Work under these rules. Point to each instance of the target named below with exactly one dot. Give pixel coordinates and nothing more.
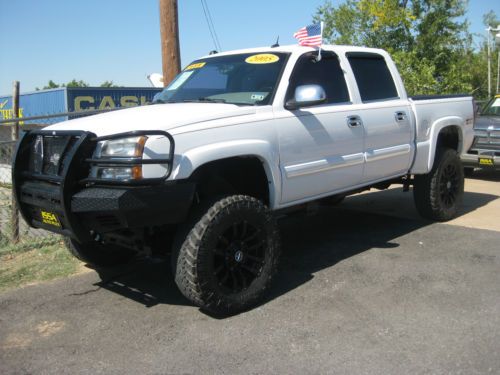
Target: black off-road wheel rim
(449, 185)
(239, 256)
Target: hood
(153, 117)
(485, 122)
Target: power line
(210, 24)
(213, 27)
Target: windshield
(245, 79)
(492, 108)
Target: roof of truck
(295, 48)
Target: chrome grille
(486, 140)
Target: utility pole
(169, 30)
(488, 30)
(497, 42)
(14, 218)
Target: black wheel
(468, 172)
(226, 262)
(98, 255)
(439, 193)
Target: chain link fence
(13, 229)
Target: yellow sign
(7, 114)
(50, 218)
(82, 103)
(196, 66)
(486, 161)
(262, 58)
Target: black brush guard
(61, 187)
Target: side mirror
(306, 96)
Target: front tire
(226, 262)
(97, 255)
(438, 194)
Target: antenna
(277, 44)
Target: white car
(234, 138)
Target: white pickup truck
(234, 138)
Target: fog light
(120, 173)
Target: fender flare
(194, 158)
(435, 130)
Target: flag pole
(319, 51)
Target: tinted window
(326, 73)
(373, 76)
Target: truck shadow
(310, 243)
(486, 175)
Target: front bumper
(100, 210)
(61, 199)
(484, 159)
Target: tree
(428, 39)
(491, 19)
(50, 85)
(376, 23)
(441, 35)
(108, 84)
(74, 83)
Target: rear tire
(97, 255)
(226, 262)
(439, 193)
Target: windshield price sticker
(262, 58)
(196, 66)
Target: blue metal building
(69, 99)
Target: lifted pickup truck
(485, 149)
(235, 137)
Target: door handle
(400, 116)
(354, 121)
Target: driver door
(321, 147)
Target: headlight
(138, 157)
(121, 148)
(116, 150)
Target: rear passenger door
(386, 117)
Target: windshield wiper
(205, 99)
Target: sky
(119, 40)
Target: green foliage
(491, 19)
(74, 83)
(428, 39)
(375, 23)
(108, 84)
(417, 74)
(51, 85)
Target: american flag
(309, 35)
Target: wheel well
(449, 137)
(237, 175)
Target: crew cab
(233, 139)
